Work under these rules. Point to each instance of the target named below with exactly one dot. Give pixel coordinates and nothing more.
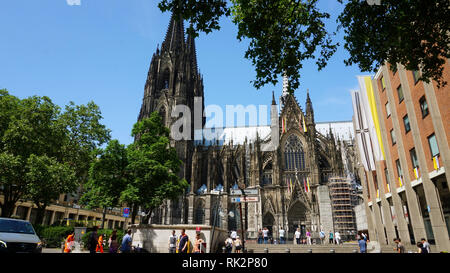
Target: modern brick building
(407, 192)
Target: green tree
(108, 177)
(285, 33)
(46, 179)
(153, 166)
(33, 133)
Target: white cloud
(73, 2)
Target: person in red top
(100, 244)
(68, 244)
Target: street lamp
(246, 218)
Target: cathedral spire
(174, 35)
(273, 98)
(309, 108)
(190, 45)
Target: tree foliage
(284, 34)
(415, 34)
(43, 151)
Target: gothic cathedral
(291, 181)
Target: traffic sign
(242, 199)
(246, 192)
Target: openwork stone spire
(174, 35)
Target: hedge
(52, 236)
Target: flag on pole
(290, 183)
(307, 181)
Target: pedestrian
(362, 245)
(126, 242)
(399, 246)
(266, 235)
(69, 242)
(337, 237)
(93, 241)
(173, 242)
(282, 238)
(330, 237)
(308, 237)
(229, 244)
(297, 236)
(426, 245)
(322, 237)
(112, 242)
(260, 236)
(237, 245)
(183, 244)
(421, 249)
(99, 247)
(198, 243)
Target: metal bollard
(287, 250)
(224, 250)
(310, 250)
(332, 251)
(266, 250)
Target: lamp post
(246, 218)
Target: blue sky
(100, 50)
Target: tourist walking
(69, 242)
(183, 244)
(173, 242)
(308, 237)
(260, 236)
(337, 237)
(228, 244)
(126, 242)
(112, 242)
(322, 237)
(266, 235)
(297, 236)
(282, 237)
(426, 245)
(237, 245)
(399, 246)
(100, 243)
(421, 249)
(198, 243)
(93, 241)
(362, 245)
(330, 237)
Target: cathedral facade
(290, 180)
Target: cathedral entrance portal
(297, 218)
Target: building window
(423, 106)
(294, 155)
(416, 76)
(383, 83)
(386, 174)
(414, 161)
(406, 123)
(399, 168)
(388, 110)
(434, 149)
(393, 138)
(400, 93)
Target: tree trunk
(103, 217)
(40, 214)
(134, 213)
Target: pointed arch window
(165, 79)
(294, 156)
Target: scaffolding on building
(342, 195)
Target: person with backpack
(228, 244)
